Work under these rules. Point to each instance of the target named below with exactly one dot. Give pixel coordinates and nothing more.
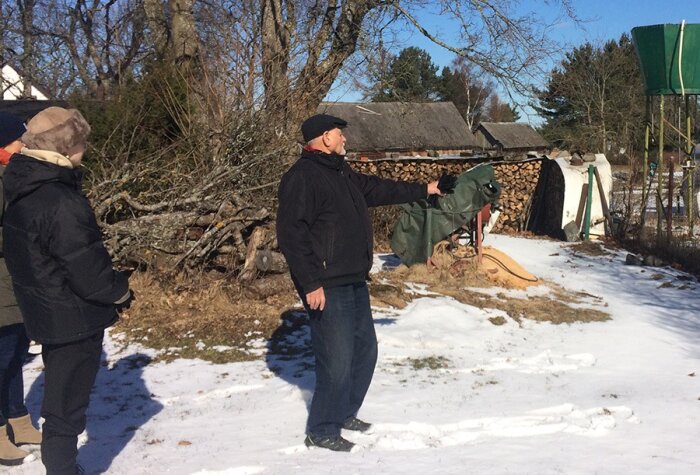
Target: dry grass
(184, 320)
(558, 306)
(174, 318)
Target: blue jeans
(345, 347)
(13, 349)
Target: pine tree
(594, 100)
(412, 77)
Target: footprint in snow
(226, 392)
(249, 470)
(566, 418)
(545, 362)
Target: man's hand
(316, 299)
(433, 188)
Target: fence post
(589, 202)
(659, 184)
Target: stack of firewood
(518, 180)
(422, 170)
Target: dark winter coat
(323, 224)
(62, 274)
(9, 311)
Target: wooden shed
(394, 129)
(510, 137)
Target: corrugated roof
(387, 126)
(512, 135)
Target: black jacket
(9, 311)
(62, 274)
(323, 224)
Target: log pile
(421, 170)
(225, 232)
(518, 180)
(172, 236)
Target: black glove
(126, 304)
(447, 183)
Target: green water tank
(660, 48)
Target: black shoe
(353, 423)
(335, 443)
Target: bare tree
(173, 29)
(188, 158)
(102, 39)
(28, 60)
(305, 44)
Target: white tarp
(574, 178)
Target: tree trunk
(275, 55)
(184, 41)
(333, 43)
(28, 61)
(157, 26)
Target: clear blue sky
(602, 20)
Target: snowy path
(452, 393)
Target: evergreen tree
(462, 86)
(594, 100)
(499, 111)
(412, 77)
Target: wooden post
(645, 163)
(589, 201)
(660, 167)
(603, 202)
(689, 201)
(479, 237)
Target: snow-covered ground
(621, 396)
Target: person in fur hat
(63, 278)
(16, 427)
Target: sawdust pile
(502, 269)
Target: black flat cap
(318, 124)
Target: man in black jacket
(63, 278)
(325, 233)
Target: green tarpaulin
(421, 225)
